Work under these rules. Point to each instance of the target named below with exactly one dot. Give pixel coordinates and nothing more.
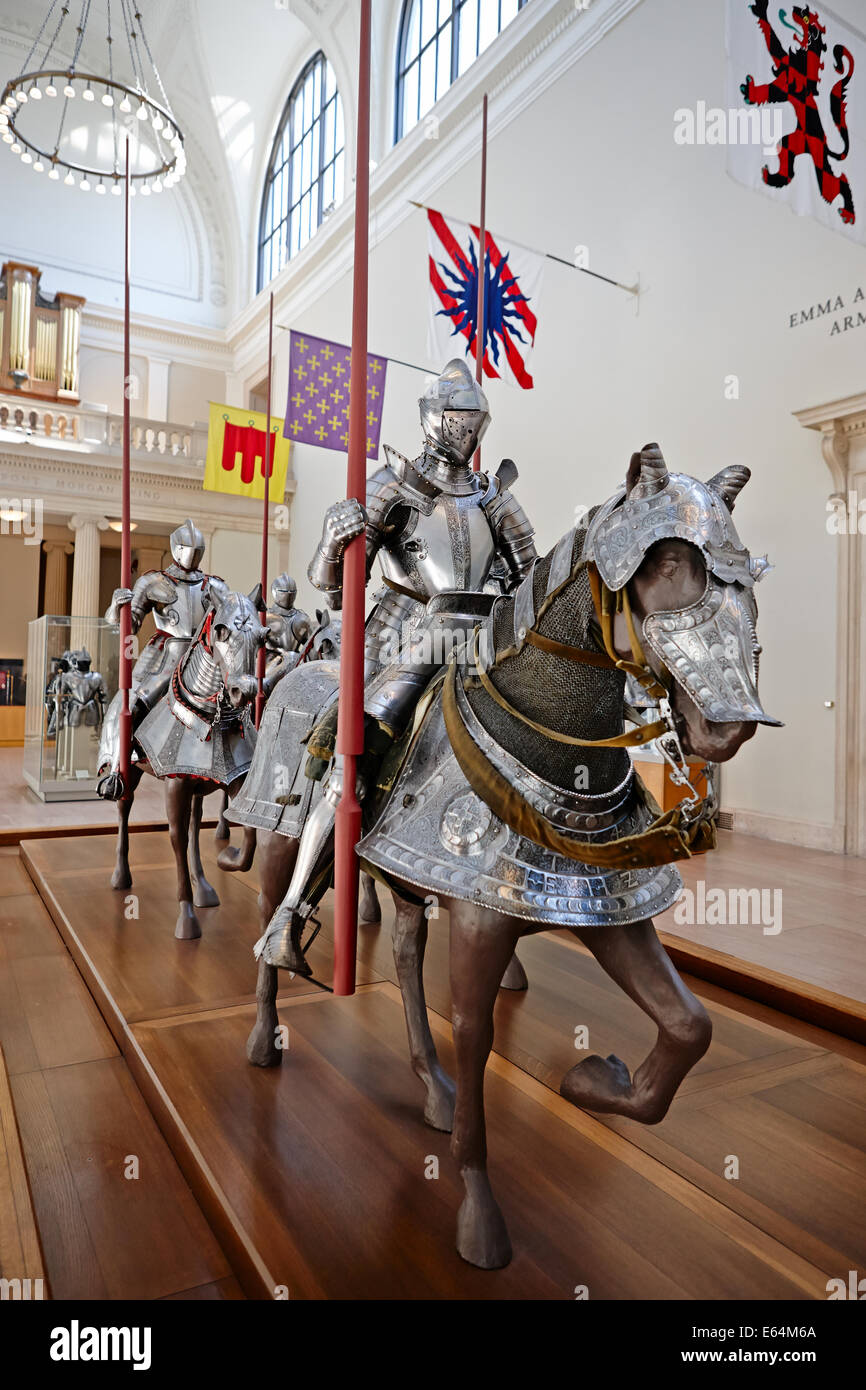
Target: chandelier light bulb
(70, 179)
(107, 98)
(26, 157)
(145, 190)
(21, 96)
(85, 184)
(158, 122)
(88, 93)
(115, 188)
(157, 185)
(54, 173)
(69, 90)
(100, 187)
(125, 105)
(16, 148)
(38, 166)
(50, 89)
(7, 138)
(132, 190)
(11, 101)
(141, 113)
(34, 93)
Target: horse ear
(650, 474)
(256, 599)
(729, 482)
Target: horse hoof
(203, 895)
(482, 1236)
(187, 928)
(121, 878)
(229, 859)
(439, 1110)
(597, 1083)
(262, 1050)
(515, 976)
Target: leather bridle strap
(667, 838)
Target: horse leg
(178, 809)
(203, 894)
(121, 877)
(515, 975)
(277, 859)
(410, 940)
(482, 943)
(634, 957)
(222, 831)
(239, 858)
(369, 910)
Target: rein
(685, 830)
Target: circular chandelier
(73, 121)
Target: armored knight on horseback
(177, 596)
(437, 529)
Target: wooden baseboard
(21, 1261)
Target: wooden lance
(261, 654)
(480, 333)
(125, 671)
(350, 723)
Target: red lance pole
(261, 653)
(125, 671)
(350, 725)
(480, 334)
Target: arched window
(440, 39)
(305, 174)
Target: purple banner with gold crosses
(318, 405)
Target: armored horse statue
(657, 589)
(198, 739)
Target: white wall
(593, 161)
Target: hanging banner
(235, 461)
(511, 299)
(317, 411)
(807, 70)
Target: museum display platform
(317, 1177)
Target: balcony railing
(99, 430)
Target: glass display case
(72, 673)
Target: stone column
(55, 576)
(85, 574)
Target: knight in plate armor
(437, 529)
(177, 596)
(289, 630)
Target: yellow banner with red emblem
(235, 461)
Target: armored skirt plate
(277, 795)
(173, 748)
(437, 835)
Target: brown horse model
(484, 813)
(198, 740)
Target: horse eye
(221, 632)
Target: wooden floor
(313, 1175)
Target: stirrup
(111, 787)
(285, 947)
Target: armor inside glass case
(72, 674)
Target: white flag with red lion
(808, 68)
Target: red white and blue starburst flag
(317, 411)
(512, 290)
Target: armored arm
(512, 530)
(142, 598)
(344, 521)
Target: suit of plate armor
(437, 528)
(85, 692)
(177, 597)
(289, 630)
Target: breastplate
(451, 547)
(182, 616)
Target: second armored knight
(437, 528)
(177, 597)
